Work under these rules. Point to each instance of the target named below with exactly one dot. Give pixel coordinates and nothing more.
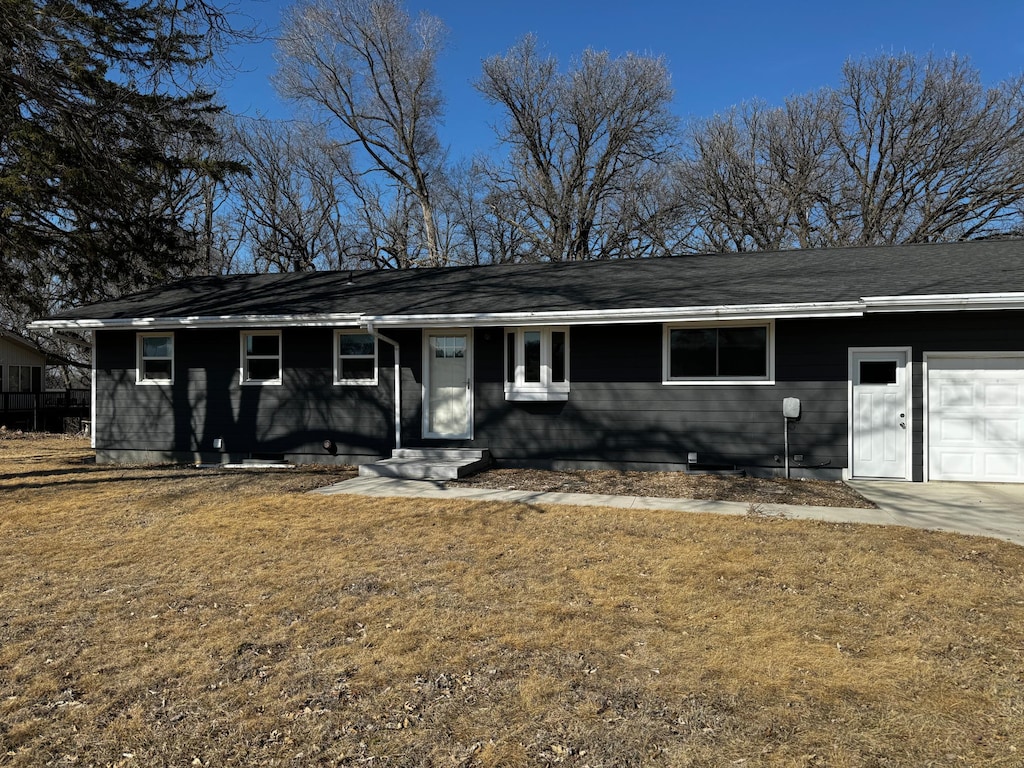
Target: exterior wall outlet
(691, 457)
(218, 442)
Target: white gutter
(330, 319)
(854, 308)
(641, 315)
(398, 383)
(92, 394)
(944, 302)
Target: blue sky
(720, 52)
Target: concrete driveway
(982, 509)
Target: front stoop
(428, 464)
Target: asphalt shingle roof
(788, 277)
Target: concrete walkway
(971, 508)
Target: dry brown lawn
(159, 617)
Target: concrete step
(428, 464)
(446, 454)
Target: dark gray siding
(618, 411)
(206, 401)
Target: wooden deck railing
(43, 410)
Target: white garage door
(976, 418)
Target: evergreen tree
(100, 119)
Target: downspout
(398, 382)
(93, 413)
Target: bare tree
(928, 152)
(372, 69)
(760, 178)
(581, 144)
(287, 210)
(904, 150)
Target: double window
(537, 364)
(720, 353)
(355, 357)
(155, 364)
(24, 378)
(261, 357)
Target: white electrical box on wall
(791, 407)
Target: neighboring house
(908, 363)
(21, 364)
(23, 402)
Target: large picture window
(719, 353)
(155, 358)
(537, 364)
(355, 359)
(261, 357)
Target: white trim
(943, 302)
(908, 405)
(338, 380)
(545, 390)
(425, 388)
(554, 317)
(852, 308)
(666, 354)
(627, 315)
(139, 341)
(243, 367)
(926, 357)
(212, 321)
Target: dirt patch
(754, 490)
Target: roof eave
(200, 321)
(629, 315)
(944, 302)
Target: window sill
(356, 383)
(718, 382)
(539, 395)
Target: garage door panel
(1002, 431)
(1002, 467)
(954, 430)
(976, 418)
(1002, 395)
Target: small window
(355, 360)
(156, 358)
(715, 354)
(877, 371)
(261, 357)
(536, 364)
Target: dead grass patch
(142, 624)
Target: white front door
(976, 417)
(447, 385)
(880, 414)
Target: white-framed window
(261, 357)
(24, 378)
(155, 358)
(537, 364)
(355, 357)
(719, 353)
